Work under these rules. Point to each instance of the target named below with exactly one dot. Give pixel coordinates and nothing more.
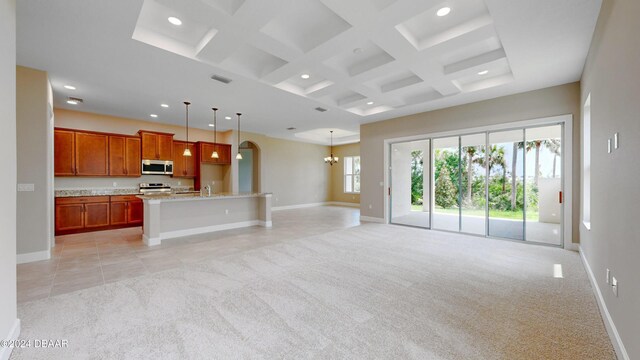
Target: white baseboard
(14, 333)
(150, 241)
(299, 206)
(572, 246)
(608, 321)
(266, 224)
(372, 219)
(33, 256)
(342, 203)
(212, 228)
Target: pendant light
(214, 154)
(187, 152)
(239, 156)
(331, 159)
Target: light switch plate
(608, 276)
(26, 187)
(609, 146)
(614, 285)
(615, 140)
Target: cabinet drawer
(124, 198)
(82, 200)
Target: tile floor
(86, 260)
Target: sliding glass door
(504, 184)
(410, 185)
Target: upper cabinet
(156, 145)
(92, 152)
(64, 161)
(184, 166)
(124, 156)
(206, 149)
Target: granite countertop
(196, 196)
(109, 191)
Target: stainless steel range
(154, 188)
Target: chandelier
(331, 159)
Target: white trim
(150, 241)
(608, 321)
(14, 334)
(33, 256)
(343, 203)
(299, 206)
(372, 219)
(266, 224)
(211, 228)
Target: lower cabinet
(91, 213)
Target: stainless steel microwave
(157, 167)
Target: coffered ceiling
(362, 60)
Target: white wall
(612, 77)
(8, 314)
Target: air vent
(222, 79)
(291, 128)
(321, 109)
(75, 99)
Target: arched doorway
(249, 168)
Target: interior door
(410, 183)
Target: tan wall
(558, 100)
(337, 173)
(8, 314)
(293, 171)
(612, 77)
(34, 136)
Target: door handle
(560, 197)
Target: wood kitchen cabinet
(91, 154)
(156, 145)
(80, 213)
(126, 210)
(224, 153)
(124, 156)
(184, 166)
(64, 161)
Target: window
(586, 164)
(352, 174)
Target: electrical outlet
(614, 285)
(115, 184)
(26, 187)
(226, 211)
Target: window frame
(352, 174)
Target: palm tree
(514, 159)
(471, 151)
(496, 158)
(555, 146)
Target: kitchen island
(177, 215)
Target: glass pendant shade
(214, 155)
(239, 156)
(186, 152)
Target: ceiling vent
(291, 128)
(74, 100)
(321, 109)
(222, 79)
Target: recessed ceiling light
(444, 11)
(174, 20)
(211, 125)
(69, 87)
(228, 117)
(483, 72)
(72, 102)
(305, 76)
(370, 103)
(164, 105)
(153, 115)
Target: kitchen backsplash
(75, 182)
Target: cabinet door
(133, 160)
(64, 156)
(224, 153)
(149, 146)
(179, 165)
(96, 215)
(92, 152)
(206, 149)
(69, 217)
(117, 153)
(165, 147)
(190, 162)
(135, 212)
(118, 213)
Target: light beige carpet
(373, 291)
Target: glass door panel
(506, 191)
(446, 184)
(473, 189)
(544, 184)
(410, 185)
